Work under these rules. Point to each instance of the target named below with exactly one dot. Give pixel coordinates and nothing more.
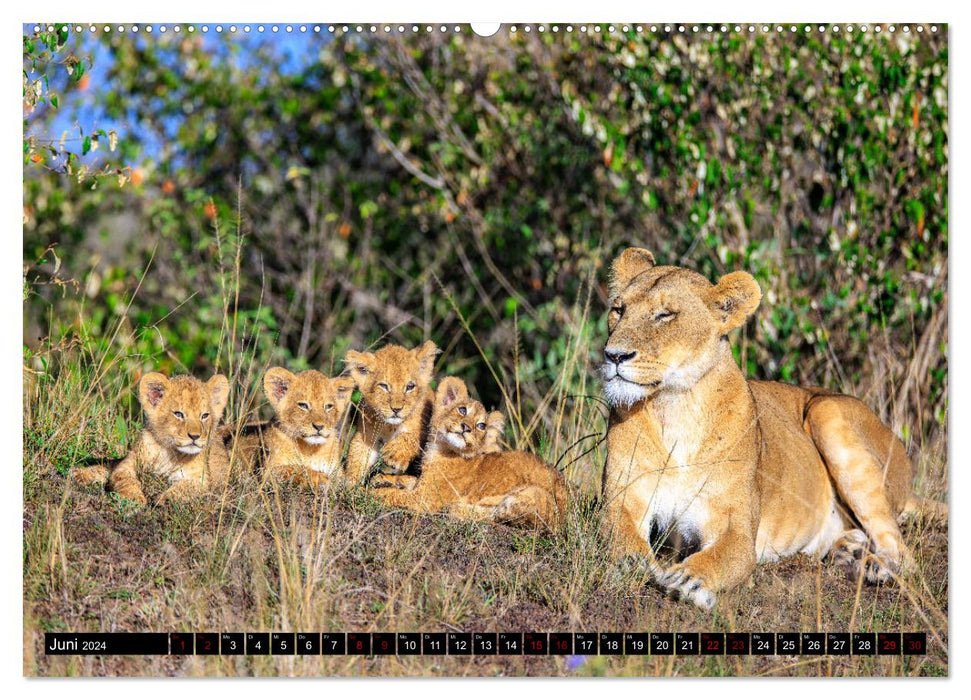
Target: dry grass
(264, 560)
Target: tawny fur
(464, 473)
(748, 470)
(394, 408)
(303, 443)
(181, 419)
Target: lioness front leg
(724, 564)
(625, 539)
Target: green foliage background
(474, 191)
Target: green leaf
(85, 145)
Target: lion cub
(394, 409)
(181, 416)
(303, 443)
(464, 474)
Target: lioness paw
(687, 585)
(854, 555)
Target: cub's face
(394, 380)
(461, 424)
(666, 325)
(182, 411)
(308, 406)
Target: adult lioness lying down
(733, 471)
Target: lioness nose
(618, 356)
(318, 428)
(396, 410)
(194, 436)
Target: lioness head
(181, 412)
(461, 424)
(394, 380)
(308, 405)
(666, 325)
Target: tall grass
(265, 559)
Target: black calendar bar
(487, 643)
(107, 643)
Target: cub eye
(410, 387)
(384, 387)
(179, 414)
(480, 426)
(664, 315)
(618, 309)
(304, 405)
(204, 416)
(463, 410)
(329, 407)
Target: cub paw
(396, 458)
(687, 585)
(87, 476)
(394, 481)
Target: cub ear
(343, 387)
(734, 298)
(425, 354)
(359, 364)
(218, 393)
(450, 390)
(276, 384)
(151, 390)
(627, 266)
(496, 422)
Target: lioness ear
(359, 364)
(276, 384)
(627, 266)
(426, 358)
(734, 298)
(218, 393)
(151, 390)
(496, 422)
(450, 390)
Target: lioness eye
(480, 426)
(179, 414)
(619, 309)
(463, 410)
(384, 387)
(204, 416)
(329, 407)
(410, 387)
(304, 405)
(664, 315)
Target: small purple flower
(575, 662)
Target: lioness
(181, 414)
(464, 474)
(733, 471)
